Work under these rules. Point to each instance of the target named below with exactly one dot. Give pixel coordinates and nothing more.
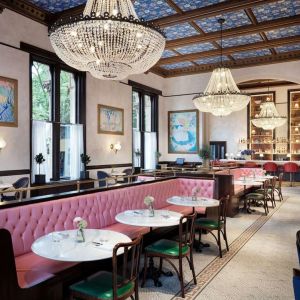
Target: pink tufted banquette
(29, 222)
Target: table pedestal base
(154, 273)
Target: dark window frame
(56, 66)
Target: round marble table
(62, 245)
(188, 201)
(247, 182)
(140, 217)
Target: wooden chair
(218, 225)
(113, 285)
(278, 187)
(260, 195)
(169, 249)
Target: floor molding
(212, 269)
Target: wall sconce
(116, 147)
(2, 143)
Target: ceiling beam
(27, 9)
(241, 63)
(230, 50)
(243, 30)
(209, 11)
(257, 84)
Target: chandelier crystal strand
(221, 96)
(268, 118)
(108, 40)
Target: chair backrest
(266, 186)
(128, 172)
(273, 183)
(298, 244)
(186, 231)
(222, 210)
(102, 175)
(280, 177)
(21, 183)
(290, 167)
(126, 270)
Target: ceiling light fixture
(108, 40)
(221, 96)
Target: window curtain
(42, 143)
(150, 150)
(136, 148)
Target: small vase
(80, 236)
(151, 211)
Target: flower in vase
(149, 200)
(80, 223)
(195, 191)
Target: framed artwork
(183, 131)
(110, 120)
(8, 102)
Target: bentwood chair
(260, 196)
(20, 183)
(278, 187)
(168, 249)
(296, 283)
(103, 175)
(119, 284)
(128, 172)
(270, 191)
(218, 225)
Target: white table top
(62, 245)
(247, 182)
(140, 217)
(199, 202)
(5, 186)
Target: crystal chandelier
(268, 118)
(221, 96)
(108, 40)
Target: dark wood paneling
(95, 167)
(14, 172)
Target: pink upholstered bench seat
(27, 279)
(29, 222)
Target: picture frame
(8, 102)
(183, 131)
(110, 120)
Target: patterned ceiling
(188, 55)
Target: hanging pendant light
(108, 40)
(268, 118)
(221, 96)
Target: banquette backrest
(29, 222)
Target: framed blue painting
(110, 120)
(8, 102)
(183, 132)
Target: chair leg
(136, 289)
(145, 269)
(160, 264)
(219, 242)
(266, 207)
(181, 277)
(199, 240)
(280, 195)
(191, 262)
(225, 238)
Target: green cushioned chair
(168, 250)
(110, 285)
(218, 225)
(260, 195)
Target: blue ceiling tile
(153, 9)
(54, 6)
(180, 31)
(276, 10)
(232, 20)
(241, 40)
(189, 5)
(168, 53)
(288, 48)
(210, 60)
(283, 32)
(178, 65)
(252, 53)
(194, 48)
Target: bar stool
(270, 167)
(291, 168)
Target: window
(57, 129)
(145, 120)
